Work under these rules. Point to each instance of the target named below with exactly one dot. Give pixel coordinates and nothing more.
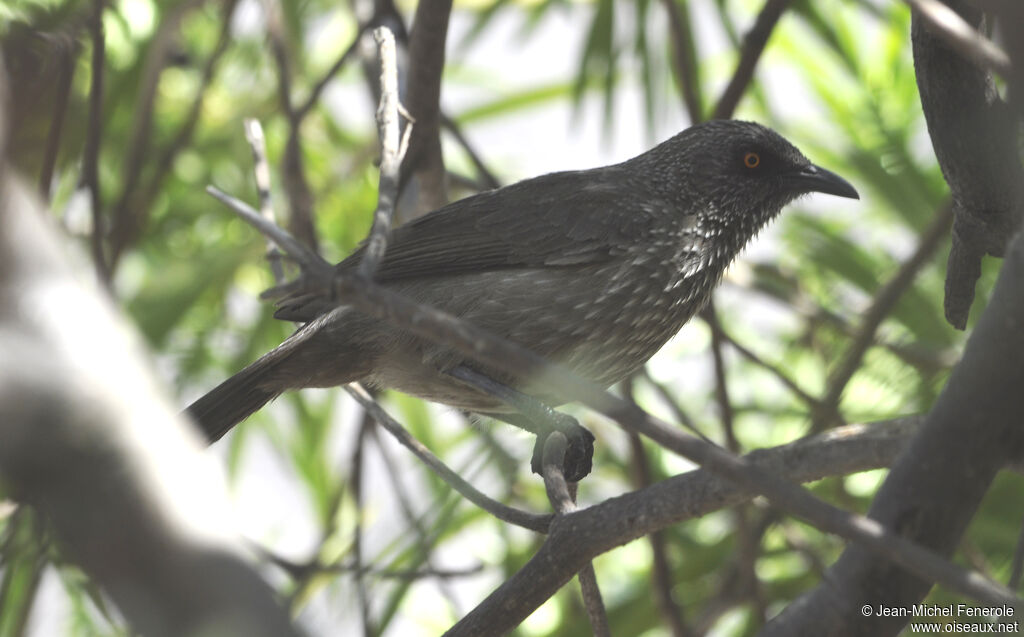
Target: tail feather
(232, 401)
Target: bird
(593, 269)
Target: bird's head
(738, 175)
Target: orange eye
(751, 160)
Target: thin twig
(303, 570)
(753, 45)
(532, 521)
(816, 314)
(423, 543)
(775, 370)
(130, 210)
(356, 484)
(391, 154)
(293, 171)
(306, 258)
(661, 571)
(678, 413)
(721, 382)
(964, 39)
(485, 174)
(748, 545)
(261, 173)
(564, 502)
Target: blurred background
(357, 535)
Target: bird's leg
(537, 418)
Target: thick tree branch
(88, 439)
(974, 135)
(946, 24)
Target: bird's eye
(751, 160)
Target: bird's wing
(562, 219)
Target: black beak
(815, 179)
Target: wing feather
(561, 219)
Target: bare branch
(974, 134)
(293, 171)
(306, 258)
(91, 441)
(131, 208)
(424, 541)
(678, 413)
(391, 158)
(564, 502)
(661, 575)
(261, 173)
(775, 370)
(721, 383)
(486, 175)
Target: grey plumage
(594, 269)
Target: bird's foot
(579, 454)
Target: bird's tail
(234, 400)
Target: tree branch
(424, 161)
(945, 23)
(91, 442)
(753, 45)
(391, 154)
(974, 135)
(532, 521)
